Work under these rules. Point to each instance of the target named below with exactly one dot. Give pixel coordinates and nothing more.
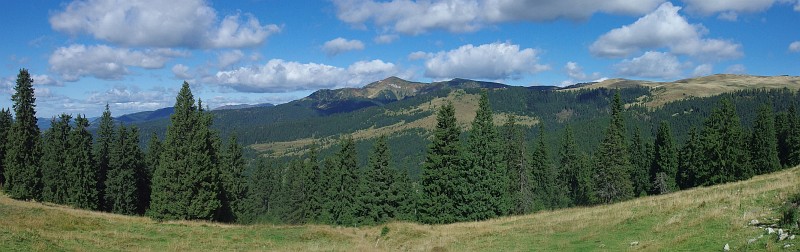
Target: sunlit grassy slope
(702, 219)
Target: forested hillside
(435, 153)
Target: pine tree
(570, 165)
(519, 173)
(793, 137)
(124, 160)
(54, 167)
(297, 190)
(782, 130)
(664, 169)
(144, 176)
(401, 197)
(764, 143)
(102, 150)
(640, 164)
(724, 152)
(439, 179)
(346, 185)
(82, 169)
(260, 188)
(330, 180)
(378, 180)
(486, 188)
(316, 199)
(5, 126)
(233, 181)
(549, 190)
(22, 171)
(611, 175)
(691, 167)
(186, 182)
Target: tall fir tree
(571, 166)
(782, 130)
(519, 173)
(5, 126)
(54, 166)
(793, 137)
(22, 171)
(82, 169)
(640, 164)
(297, 190)
(376, 185)
(234, 183)
(329, 180)
(316, 199)
(764, 143)
(612, 165)
(664, 169)
(439, 179)
(344, 185)
(549, 190)
(186, 182)
(486, 187)
(102, 150)
(401, 197)
(125, 159)
(144, 176)
(724, 152)
(260, 190)
(691, 167)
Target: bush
(790, 212)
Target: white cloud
(794, 46)
(181, 72)
(703, 70)
(415, 17)
(229, 58)
(386, 38)
(575, 72)
(664, 28)
(45, 80)
(707, 7)
(494, 61)
(178, 23)
(651, 65)
(728, 16)
(736, 69)
(340, 45)
(285, 76)
(418, 55)
(104, 62)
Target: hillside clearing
(701, 219)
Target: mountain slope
(701, 219)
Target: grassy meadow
(702, 219)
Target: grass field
(702, 219)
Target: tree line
(486, 172)
(191, 175)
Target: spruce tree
(260, 188)
(297, 190)
(102, 150)
(82, 169)
(691, 167)
(233, 181)
(570, 165)
(124, 160)
(782, 130)
(664, 169)
(519, 173)
(22, 171)
(5, 126)
(346, 185)
(549, 190)
(439, 179)
(375, 191)
(54, 166)
(764, 143)
(793, 137)
(401, 197)
(316, 200)
(186, 182)
(724, 152)
(486, 187)
(330, 180)
(612, 165)
(640, 164)
(144, 176)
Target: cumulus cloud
(153, 23)
(415, 17)
(181, 72)
(708, 7)
(418, 55)
(386, 38)
(494, 61)
(794, 46)
(664, 28)
(45, 80)
(575, 72)
(736, 69)
(226, 59)
(285, 76)
(703, 70)
(340, 45)
(104, 62)
(651, 65)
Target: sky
(135, 54)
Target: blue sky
(134, 54)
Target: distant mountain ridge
(243, 106)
